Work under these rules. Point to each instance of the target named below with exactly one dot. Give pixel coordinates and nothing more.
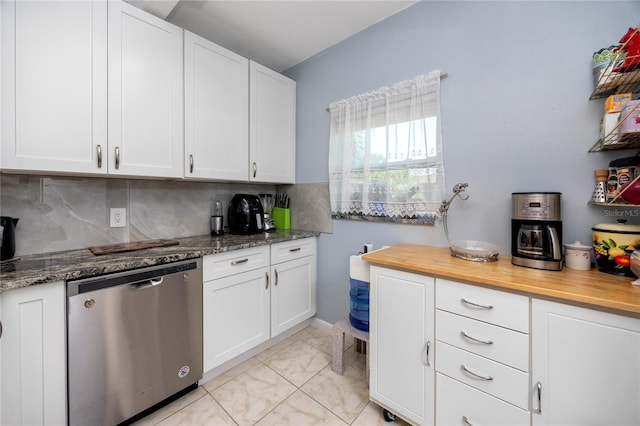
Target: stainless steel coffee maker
(536, 230)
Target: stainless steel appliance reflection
(134, 341)
(536, 230)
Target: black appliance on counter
(536, 230)
(7, 237)
(245, 215)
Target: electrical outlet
(118, 218)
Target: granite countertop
(590, 288)
(44, 268)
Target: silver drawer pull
(476, 375)
(99, 156)
(266, 276)
(466, 421)
(476, 305)
(538, 409)
(294, 250)
(425, 354)
(485, 342)
(238, 262)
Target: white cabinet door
(216, 84)
(54, 86)
(145, 94)
(588, 366)
(272, 128)
(293, 294)
(34, 355)
(236, 315)
(401, 333)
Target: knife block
(281, 217)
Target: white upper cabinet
(216, 93)
(102, 87)
(272, 126)
(54, 86)
(145, 94)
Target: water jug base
(360, 325)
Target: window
(385, 153)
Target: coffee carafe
(7, 237)
(536, 230)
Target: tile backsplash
(64, 213)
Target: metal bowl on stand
(477, 251)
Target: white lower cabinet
(293, 293)
(586, 366)
(236, 303)
(33, 356)
(236, 315)
(248, 298)
(500, 358)
(401, 333)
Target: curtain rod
(442, 75)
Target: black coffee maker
(7, 237)
(536, 230)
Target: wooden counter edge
(615, 294)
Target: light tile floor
(289, 384)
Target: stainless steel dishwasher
(134, 341)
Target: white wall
(516, 115)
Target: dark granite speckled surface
(24, 271)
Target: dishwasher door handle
(146, 283)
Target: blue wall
(516, 115)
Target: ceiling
(277, 34)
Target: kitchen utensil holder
(281, 217)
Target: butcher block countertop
(590, 288)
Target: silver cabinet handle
(238, 262)
(539, 396)
(117, 157)
(476, 375)
(266, 276)
(485, 342)
(476, 305)
(425, 354)
(255, 169)
(0, 329)
(190, 163)
(466, 421)
(276, 272)
(99, 147)
(294, 249)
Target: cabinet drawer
(492, 306)
(289, 250)
(490, 341)
(456, 402)
(234, 262)
(496, 379)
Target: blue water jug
(359, 304)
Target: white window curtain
(385, 153)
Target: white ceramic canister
(577, 256)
